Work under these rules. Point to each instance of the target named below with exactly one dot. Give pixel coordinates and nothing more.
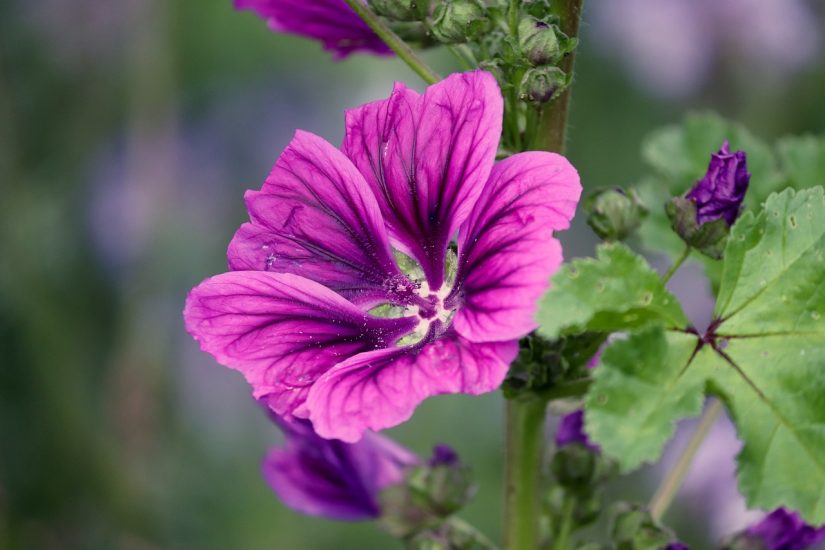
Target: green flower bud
(538, 42)
(708, 238)
(445, 483)
(613, 214)
(456, 21)
(634, 529)
(400, 10)
(575, 466)
(541, 84)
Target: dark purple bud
(779, 530)
(541, 84)
(443, 455)
(571, 430)
(721, 192)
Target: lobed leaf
(618, 290)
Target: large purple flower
(785, 530)
(327, 322)
(721, 192)
(332, 22)
(329, 478)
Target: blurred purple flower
(785, 530)
(316, 258)
(329, 478)
(571, 430)
(721, 192)
(672, 46)
(332, 22)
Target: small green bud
(634, 529)
(414, 32)
(575, 466)
(445, 483)
(541, 84)
(456, 21)
(400, 10)
(708, 238)
(613, 214)
(538, 42)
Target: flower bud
(720, 193)
(634, 529)
(613, 214)
(400, 10)
(541, 84)
(779, 529)
(575, 466)
(538, 42)
(455, 21)
(445, 482)
(708, 238)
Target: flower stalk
(673, 481)
(523, 469)
(401, 48)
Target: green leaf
(764, 356)
(642, 386)
(802, 159)
(617, 290)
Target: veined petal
(315, 216)
(282, 331)
(507, 253)
(332, 22)
(427, 158)
(330, 478)
(381, 389)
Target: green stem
(523, 469)
(562, 539)
(575, 388)
(512, 18)
(677, 264)
(479, 538)
(553, 126)
(673, 481)
(401, 48)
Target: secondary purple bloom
(571, 430)
(330, 478)
(784, 530)
(332, 22)
(296, 315)
(721, 192)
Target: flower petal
(332, 22)
(330, 478)
(507, 253)
(282, 331)
(380, 389)
(427, 158)
(316, 217)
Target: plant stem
(553, 127)
(673, 481)
(401, 48)
(575, 388)
(512, 18)
(677, 264)
(525, 453)
(562, 539)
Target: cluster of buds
(542, 45)
(442, 21)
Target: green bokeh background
(126, 142)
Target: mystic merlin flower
(349, 302)
(329, 478)
(721, 192)
(332, 22)
(780, 530)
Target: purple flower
(785, 530)
(571, 430)
(329, 478)
(720, 193)
(314, 268)
(332, 22)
